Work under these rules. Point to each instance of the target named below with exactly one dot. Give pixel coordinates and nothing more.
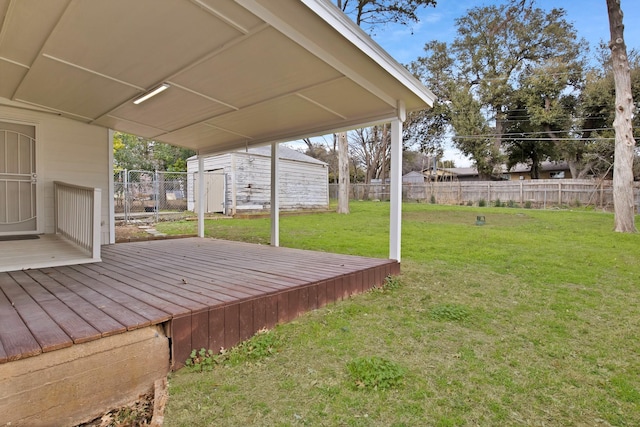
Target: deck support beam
(395, 228)
(275, 197)
(200, 196)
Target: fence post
(522, 192)
(156, 195)
(489, 193)
(125, 185)
(559, 193)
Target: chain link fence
(149, 195)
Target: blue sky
(589, 18)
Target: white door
(17, 179)
(213, 192)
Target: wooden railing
(77, 215)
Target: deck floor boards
(211, 293)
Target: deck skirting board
(225, 326)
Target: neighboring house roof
(544, 166)
(285, 154)
(519, 168)
(413, 174)
(461, 171)
(240, 73)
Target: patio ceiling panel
(71, 90)
(27, 26)
(12, 74)
(355, 101)
(261, 67)
(287, 112)
(201, 134)
(140, 42)
(128, 126)
(159, 114)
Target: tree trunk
(623, 202)
(343, 173)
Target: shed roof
(240, 73)
(285, 153)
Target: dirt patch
(129, 232)
(139, 413)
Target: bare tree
(369, 14)
(623, 202)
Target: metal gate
(149, 195)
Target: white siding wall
(68, 151)
(302, 185)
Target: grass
(530, 319)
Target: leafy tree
(541, 114)
(427, 129)
(135, 153)
(480, 72)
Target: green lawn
(530, 319)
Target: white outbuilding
(240, 181)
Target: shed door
(17, 179)
(213, 192)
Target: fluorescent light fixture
(151, 93)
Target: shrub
(449, 312)
(527, 204)
(511, 204)
(201, 360)
(432, 200)
(482, 203)
(498, 203)
(375, 373)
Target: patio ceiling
(240, 73)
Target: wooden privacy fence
(539, 193)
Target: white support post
(275, 202)
(395, 229)
(111, 200)
(200, 196)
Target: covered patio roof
(239, 73)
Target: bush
(432, 200)
(527, 204)
(375, 373)
(482, 203)
(511, 204)
(449, 312)
(498, 203)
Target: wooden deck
(207, 293)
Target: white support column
(111, 201)
(395, 229)
(275, 202)
(200, 196)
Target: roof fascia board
(342, 23)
